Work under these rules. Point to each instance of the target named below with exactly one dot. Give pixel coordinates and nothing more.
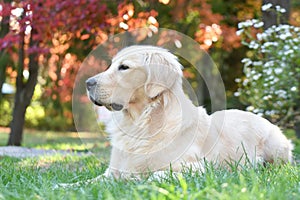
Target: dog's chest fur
(160, 136)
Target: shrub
(5, 112)
(271, 86)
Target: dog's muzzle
(91, 83)
(90, 86)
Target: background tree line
(43, 43)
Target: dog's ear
(164, 71)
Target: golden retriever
(155, 126)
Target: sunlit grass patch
(35, 178)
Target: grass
(34, 178)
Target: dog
(155, 126)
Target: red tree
(35, 23)
(46, 27)
(65, 31)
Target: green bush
(58, 123)
(38, 116)
(35, 111)
(34, 115)
(271, 86)
(5, 112)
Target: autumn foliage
(64, 32)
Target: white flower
(270, 77)
(269, 63)
(285, 26)
(289, 52)
(236, 94)
(280, 9)
(253, 45)
(259, 36)
(239, 32)
(245, 82)
(266, 6)
(256, 110)
(256, 77)
(253, 72)
(269, 32)
(278, 28)
(278, 70)
(257, 63)
(281, 94)
(285, 35)
(270, 112)
(244, 24)
(268, 71)
(286, 47)
(267, 44)
(237, 80)
(244, 60)
(267, 97)
(293, 89)
(296, 40)
(258, 25)
(250, 108)
(241, 25)
(248, 63)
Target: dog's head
(137, 74)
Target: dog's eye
(123, 67)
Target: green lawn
(34, 178)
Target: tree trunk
(2, 71)
(16, 126)
(297, 129)
(271, 18)
(24, 92)
(297, 117)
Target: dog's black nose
(90, 83)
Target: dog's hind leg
(277, 148)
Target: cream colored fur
(159, 127)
